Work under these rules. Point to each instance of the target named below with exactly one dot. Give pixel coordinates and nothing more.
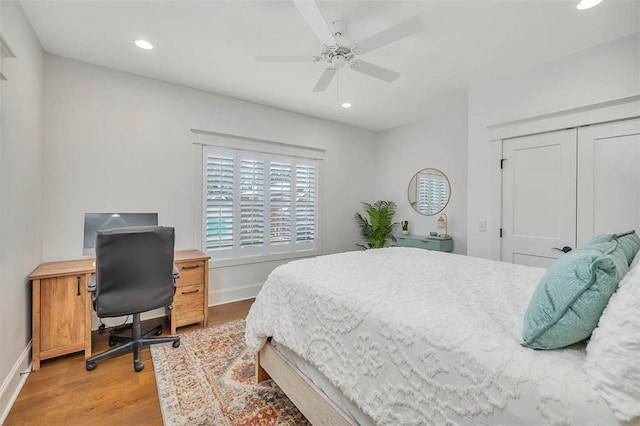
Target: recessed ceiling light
(144, 44)
(586, 4)
(346, 105)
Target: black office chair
(134, 274)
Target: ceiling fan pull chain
(337, 87)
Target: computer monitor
(94, 222)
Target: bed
(404, 336)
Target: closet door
(539, 197)
(608, 179)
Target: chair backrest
(134, 270)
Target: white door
(608, 179)
(539, 197)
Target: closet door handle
(565, 249)
(78, 282)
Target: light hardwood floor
(63, 392)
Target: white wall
(21, 134)
(604, 73)
(116, 141)
(440, 143)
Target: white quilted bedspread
(417, 337)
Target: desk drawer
(191, 273)
(188, 304)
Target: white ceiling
(211, 45)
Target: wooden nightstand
(429, 243)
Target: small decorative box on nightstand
(429, 243)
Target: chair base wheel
(176, 344)
(112, 342)
(91, 365)
(158, 332)
(138, 366)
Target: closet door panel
(539, 197)
(608, 179)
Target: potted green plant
(378, 228)
(405, 227)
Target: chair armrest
(91, 284)
(176, 273)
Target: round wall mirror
(429, 191)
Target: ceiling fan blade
(324, 80)
(300, 58)
(374, 71)
(312, 14)
(397, 32)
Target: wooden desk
(62, 304)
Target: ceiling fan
(338, 50)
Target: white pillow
(613, 353)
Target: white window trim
(304, 155)
(225, 140)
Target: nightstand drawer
(429, 243)
(191, 273)
(188, 304)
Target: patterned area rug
(210, 380)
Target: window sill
(223, 263)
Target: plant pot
(405, 232)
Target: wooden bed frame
(309, 399)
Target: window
(258, 204)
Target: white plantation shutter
(443, 193)
(280, 203)
(423, 194)
(251, 202)
(259, 204)
(219, 224)
(305, 203)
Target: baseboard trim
(14, 383)
(234, 294)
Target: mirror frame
(413, 204)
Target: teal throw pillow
(628, 243)
(598, 239)
(615, 250)
(570, 297)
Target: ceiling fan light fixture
(143, 44)
(338, 61)
(587, 4)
